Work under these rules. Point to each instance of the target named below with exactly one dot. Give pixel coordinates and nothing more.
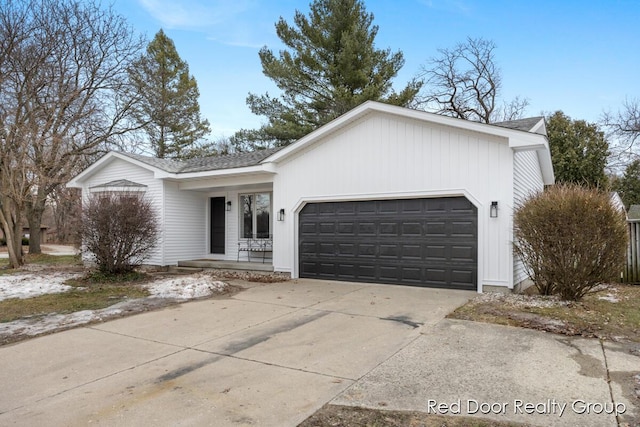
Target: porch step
(226, 265)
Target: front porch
(228, 265)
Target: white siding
(527, 180)
(185, 225)
(120, 169)
(382, 156)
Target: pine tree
(628, 186)
(579, 151)
(168, 108)
(330, 66)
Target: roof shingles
(204, 164)
(520, 124)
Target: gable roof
(534, 139)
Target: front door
(217, 225)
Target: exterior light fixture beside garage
(493, 211)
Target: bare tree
(465, 82)
(66, 209)
(63, 74)
(624, 130)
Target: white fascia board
(75, 182)
(546, 166)
(104, 161)
(217, 173)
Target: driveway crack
(606, 368)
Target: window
(255, 210)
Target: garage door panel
(436, 275)
(423, 242)
(463, 253)
(389, 207)
(411, 252)
(347, 228)
(389, 229)
(388, 272)
(389, 251)
(366, 250)
(411, 229)
(307, 249)
(346, 271)
(436, 228)
(308, 228)
(436, 253)
(461, 276)
(367, 229)
(365, 272)
(326, 249)
(347, 249)
(414, 206)
(463, 228)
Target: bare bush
(119, 229)
(571, 239)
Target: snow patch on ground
(52, 322)
(609, 297)
(185, 287)
(27, 285)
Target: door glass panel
(263, 221)
(246, 207)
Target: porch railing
(256, 245)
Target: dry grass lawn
(612, 313)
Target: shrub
(570, 239)
(119, 229)
(3, 241)
(25, 241)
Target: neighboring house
(381, 194)
(44, 233)
(617, 202)
(634, 213)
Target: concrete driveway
(270, 356)
(273, 354)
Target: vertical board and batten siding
(120, 169)
(185, 224)
(397, 157)
(527, 181)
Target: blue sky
(581, 57)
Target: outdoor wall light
(281, 215)
(228, 205)
(493, 211)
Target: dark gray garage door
(420, 242)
